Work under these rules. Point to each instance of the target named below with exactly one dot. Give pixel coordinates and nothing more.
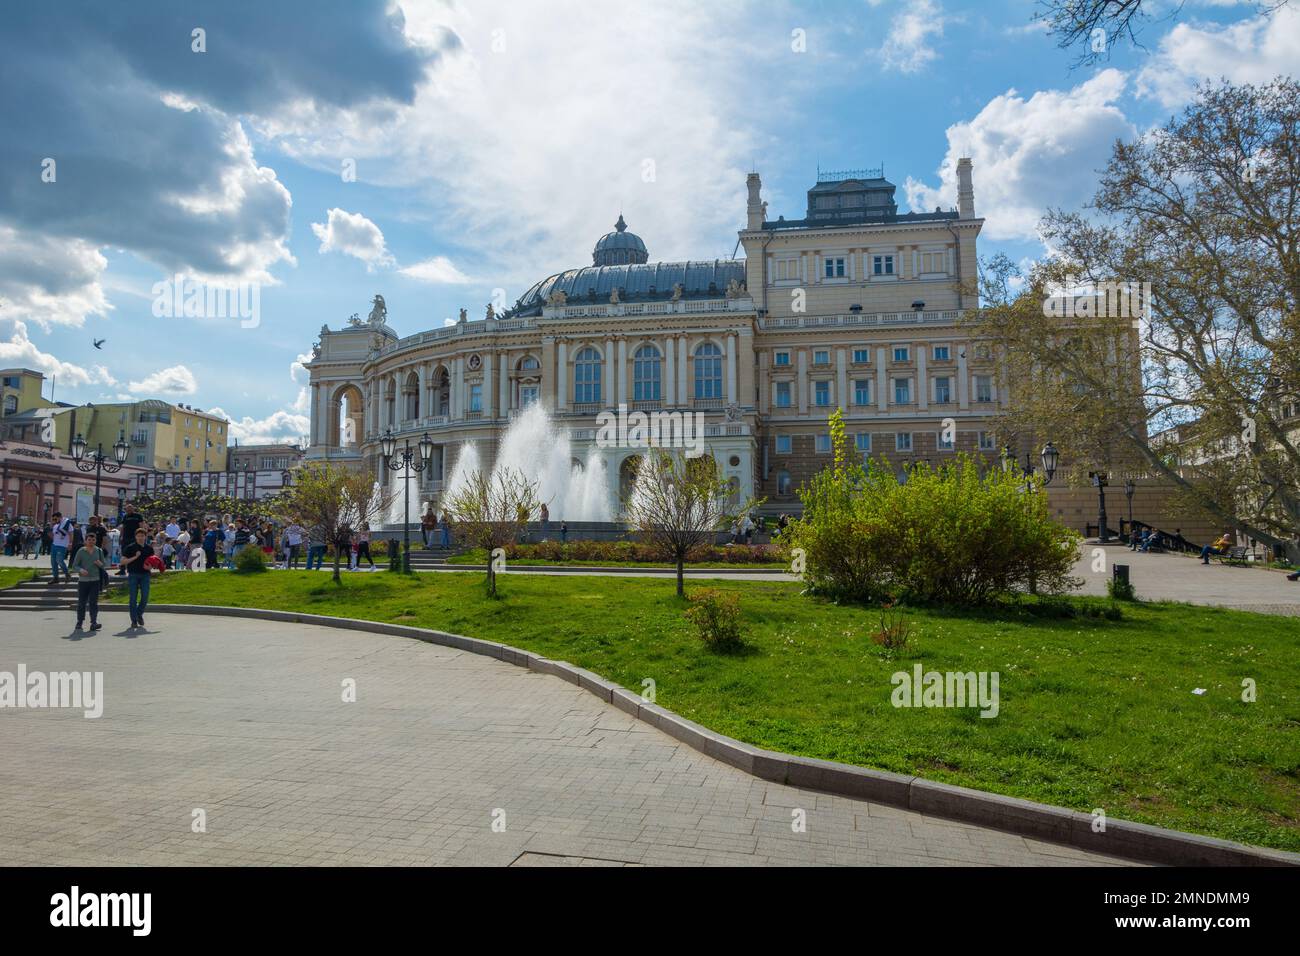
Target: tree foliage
(491, 509)
(1202, 390)
(334, 498)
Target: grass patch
(479, 557)
(1095, 711)
(11, 576)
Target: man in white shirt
(173, 529)
(60, 535)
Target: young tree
(1201, 390)
(490, 511)
(679, 503)
(333, 497)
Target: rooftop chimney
(965, 191)
(754, 209)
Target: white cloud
(279, 426)
(1250, 51)
(353, 235)
(177, 380)
(908, 47)
(20, 352)
(490, 139)
(438, 270)
(50, 280)
(1031, 154)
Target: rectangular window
(823, 444)
(785, 270)
(476, 398)
(821, 357)
(834, 268)
(902, 353)
(862, 441)
(983, 388)
(783, 444)
(903, 441)
(942, 390)
(862, 391)
(882, 265)
(782, 394)
(187, 441)
(942, 443)
(987, 442)
(781, 359)
(822, 394)
(902, 391)
(861, 356)
(941, 353)
(934, 262)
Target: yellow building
(163, 436)
(21, 389)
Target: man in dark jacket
(130, 523)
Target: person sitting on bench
(1220, 546)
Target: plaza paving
(245, 721)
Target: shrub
(716, 616)
(250, 560)
(946, 536)
(894, 630)
(1121, 589)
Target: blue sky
(494, 142)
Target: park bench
(1233, 556)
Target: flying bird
(98, 343)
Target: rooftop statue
(613, 296)
(354, 321)
(379, 312)
(678, 289)
(557, 298)
(491, 312)
(464, 315)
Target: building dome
(619, 248)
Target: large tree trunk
(681, 590)
(337, 579)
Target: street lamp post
(97, 462)
(1129, 488)
(1101, 479)
(1049, 457)
(406, 464)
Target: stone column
(422, 392)
(315, 413)
(731, 368)
(670, 382)
(622, 370)
(560, 380)
(922, 377)
(683, 371)
(488, 394)
(963, 378)
(745, 357)
(841, 381)
(764, 385)
(882, 381)
(457, 386)
(802, 382)
(503, 394)
(607, 387)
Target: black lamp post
(1129, 488)
(97, 462)
(1101, 480)
(406, 463)
(1049, 456)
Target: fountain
(533, 446)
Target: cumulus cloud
(661, 139)
(437, 270)
(353, 235)
(909, 45)
(146, 137)
(279, 426)
(49, 280)
(1029, 154)
(1250, 51)
(177, 380)
(20, 352)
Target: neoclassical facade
(854, 306)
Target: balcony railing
(708, 403)
(860, 319)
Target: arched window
(645, 374)
(529, 364)
(586, 377)
(708, 371)
(783, 484)
(411, 395)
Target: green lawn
(479, 556)
(11, 576)
(1094, 712)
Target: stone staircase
(41, 595)
(424, 560)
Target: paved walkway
(244, 720)
(1175, 577)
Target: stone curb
(1039, 821)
